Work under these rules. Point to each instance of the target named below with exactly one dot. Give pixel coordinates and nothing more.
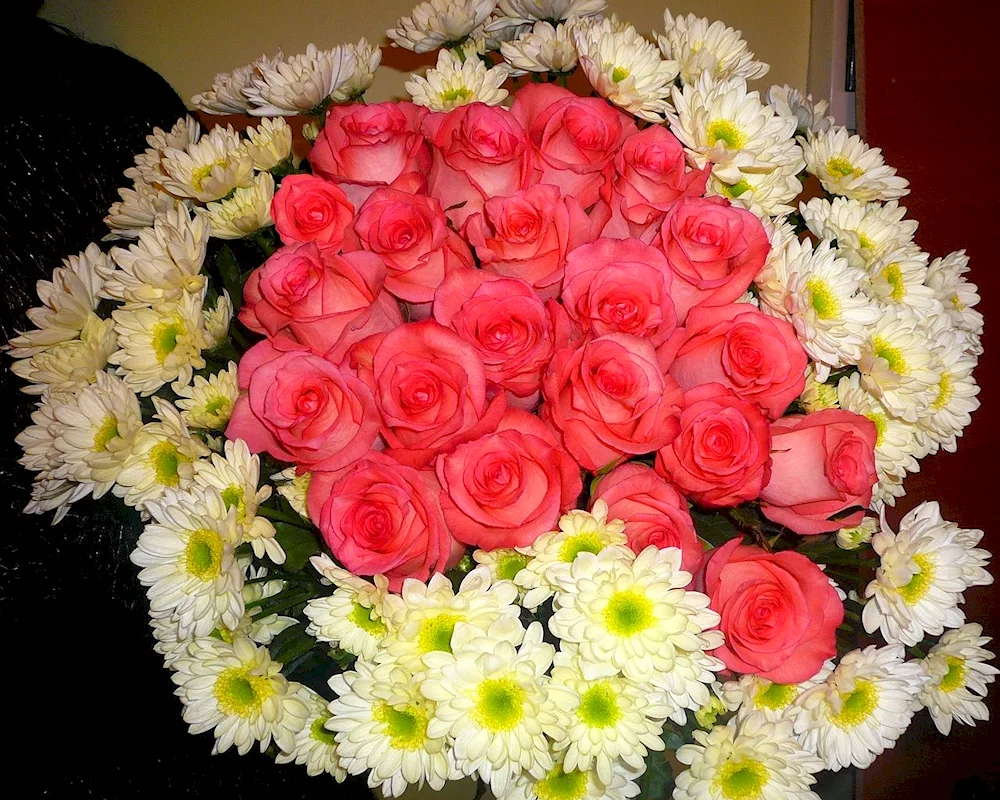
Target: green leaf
(714, 528)
(290, 644)
(657, 782)
(298, 543)
(673, 741)
(229, 271)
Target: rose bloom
(758, 356)
(620, 285)
(309, 209)
(507, 488)
(362, 147)
(822, 464)
(653, 511)
(322, 300)
(430, 388)
(721, 457)
(527, 235)
(381, 517)
(576, 138)
(609, 399)
(779, 612)
(411, 235)
(299, 407)
(480, 152)
(508, 324)
(715, 251)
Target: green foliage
(714, 528)
(299, 544)
(657, 782)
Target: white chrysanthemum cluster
(458, 80)
(703, 48)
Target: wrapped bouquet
(531, 427)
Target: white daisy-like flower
(169, 643)
(565, 784)
(551, 553)
(897, 278)
(688, 685)
(269, 143)
(439, 23)
(817, 395)
(226, 95)
(381, 722)
(974, 571)
(207, 403)
(149, 163)
(38, 440)
(864, 232)
(367, 58)
(294, 488)
(855, 537)
(862, 708)
(700, 48)
(70, 365)
(518, 12)
(487, 697)
(216, 321)
(751, 758)
(248, 209)
(188, 559)
(810, 116)
(353, 616)
(503, 563)
(771, 283)
(453, 83)
(770, 193)
(208, 169)
(626, 69)
(845, 165)
(299, 84)
(546, 48)
(946, 276)
(138, 208)
(315, 746)
(954, 399)
(751, 694)
(236, 691)
(54, 494)
(958, 678)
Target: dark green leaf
(657, 782)
(298, 543)
(229, 271)
(673, 740)
(714, 528)
(290, 644)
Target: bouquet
(531, 427)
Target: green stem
(290, 602)
(480, 789)
(281, 516)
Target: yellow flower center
(500, 705)
(217, 404)
(736, 189)
(628, 613)
(946, 390)
(580, 543)
(823, 299)
(599, 706)
(104, 434)
(856, 706)
(742, 780)
(362, 617)
(881, 422)
(435, 633)
(165, 335)
(722, 130)
(318, 731)
(921, 581)
(892, 356)
(406, 727)
(454, 95)
(200, 175)
(956, 303)
(893, 275)
(509, 564)
(864, 243)
(203, 555)
(559, 785)
(165, 459)
(241, 694)
(842, 168)
(618, 74)
(775, 696)
(955, 677)
(232, 495)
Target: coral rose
(309, 209)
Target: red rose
(576, 138)
(323, 300)
(527, 235)
(609, 399)
(362, 147)
(779, 612)
(721, 457)
(714, 249)
(620, 285)
(309, 209)
(301, 408)
(383, 518)
(758, 356)
(508, 324)
(480, 152)
(653, 511)
(822, 465)
(507, 488)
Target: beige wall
(188, 41)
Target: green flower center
(842, 167)
(736, 189)
(203, 555)
(823, 299)
(216, 404)
(955, 677)
(435, 633)
(628, 613)
(775, 696)
(509, 564)
(362, 617)
(241, 694)
(319, 732)
(618, 74)
(454, 95)
(708, 714)
(722, 130)
(559, 785)
(742, 780)
(580, 543)
(921, 581)
(893, 275)
(104, 434)
(165, 459)
(233, 496)
(892, 356)
(165, 335)
(599, 706)
(500, 704)
(946, 390)
(405, 728)
(856, 706)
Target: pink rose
(758, 356)
(576, 138)
(480, 152)
(653, 511)
(822, 465)
(779, 612)
(362, 147)
(721, 457)
(309, 209)
(527, 235)
(507, 488)
(301, 408)
(609, 399)
(322, 300)
(715, 251)
(383, 518)
(620, 285)
(508, 324)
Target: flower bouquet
(531, 427)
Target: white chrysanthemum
(159, 345)
(188, 556)
(208, 169)
(809, 115)
(226, 95)
(149, 163)
(562, 784)
(954, 397)
(544, 49)
(269, 143)
(897, 278)
(138, 208)
(315, 746)
(518, 12)
(845, 165)
(439, 23)
(946, 276)
(958, 678)
(352, 617)
(862, 708)
(294, 488)
(38, 440)
(367, 58)
(632, 615)
(162, 458)
(598, 718)
(766, 194)
(703, 48)
(169, 643)
(453, 83)
(70, 365)
(54, 494)
(551, 553)
(299, 84)
(771, 283)
(626, 69)
(248, 209)
(751, 694)
(381, 723)
(976, 559)
(207, 403)
(853, 538)
(751, 758)
(487, 696)
(216, 321)
(237, 691)
(503, 563)
(817, 395)
(256, 587)
(864, 232)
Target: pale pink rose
(310, 209)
